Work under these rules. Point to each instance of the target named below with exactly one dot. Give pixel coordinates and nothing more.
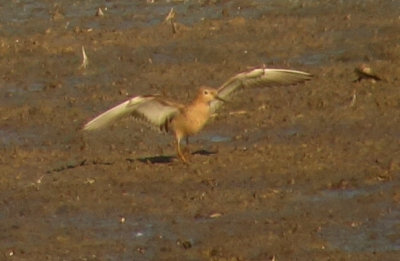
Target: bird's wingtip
(88, 127)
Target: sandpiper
(187, 120)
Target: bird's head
(207, 94)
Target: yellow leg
(178, 149)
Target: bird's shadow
(162, 159)
(204, 152)
(155, 159)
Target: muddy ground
(305, 172)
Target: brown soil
(307, 172)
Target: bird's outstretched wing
(152, 109)
(259, 78)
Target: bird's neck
(200, 100)
(200, 108)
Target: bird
(364, 71)
(185, 120)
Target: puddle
(20, 89)
(132, 14)
(12, 138)
(219, 138)
(317, 58)
(344, 194)
(372, 236)
(137, 232)
(373, 233)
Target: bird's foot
(183, 158)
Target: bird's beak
(219, 98)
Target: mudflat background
(305, 172)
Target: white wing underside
(151, 109)
(258, 78)
(158, 111)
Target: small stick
(85, 60)
(171, 19)
(353, 99)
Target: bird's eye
(205, 92)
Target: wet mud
(304, 172)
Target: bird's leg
(186, 149)
(178, 150)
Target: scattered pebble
(185, 244)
